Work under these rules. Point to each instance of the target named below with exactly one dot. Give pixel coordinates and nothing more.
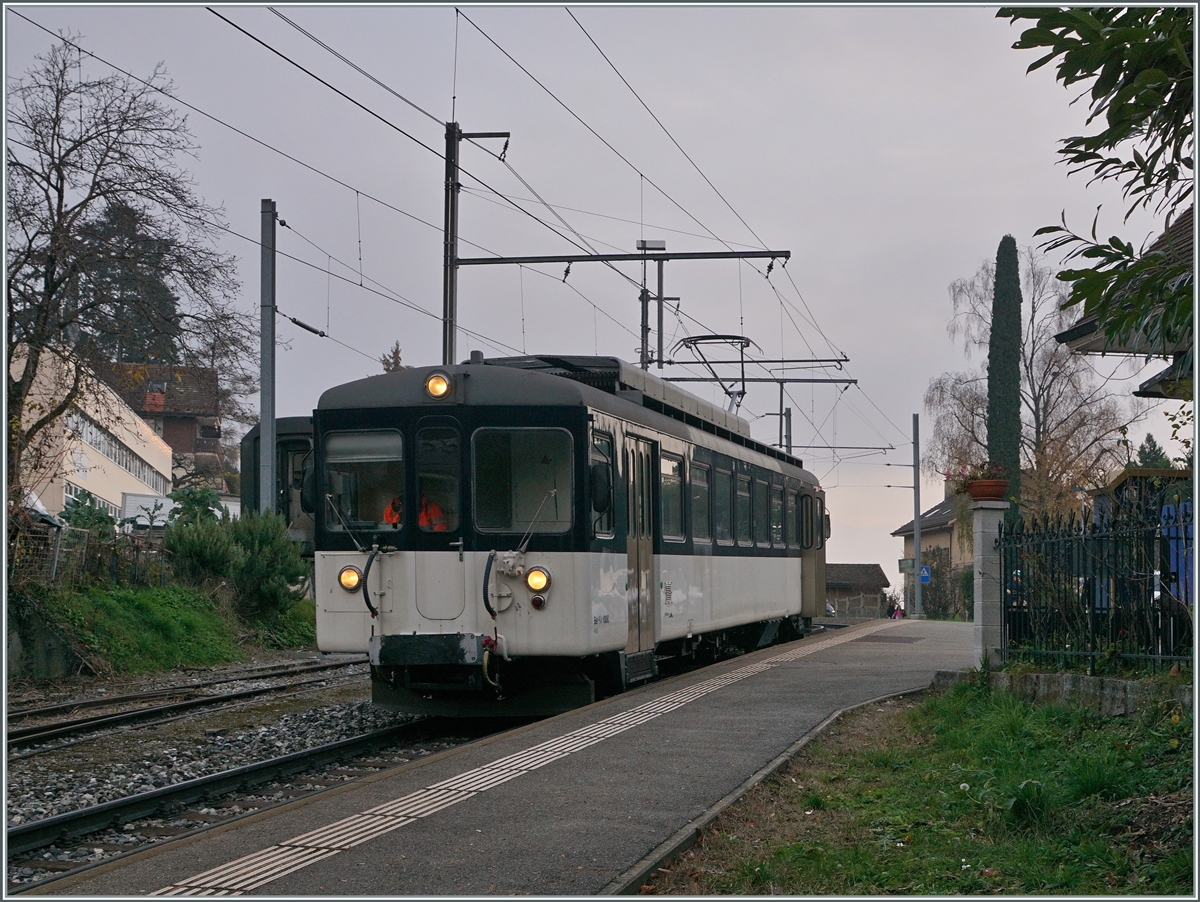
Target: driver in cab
(393, 513)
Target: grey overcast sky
(889, 148)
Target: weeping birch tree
(1074, 417)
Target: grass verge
(293, 628)
(143, 629)
(963, 792)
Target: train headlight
(538, 602)
(350, 578)
(538, 579)
(437, 385)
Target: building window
(96, 436)
(70, 490)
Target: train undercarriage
(456, 676)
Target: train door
(639, 480)
(440, 571)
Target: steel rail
(25, 736)
(168, 691)
(60, 827)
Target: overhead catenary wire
(501, 157)
(761, 243)
(567, 225)
(680, 315)
(391, 125)
(395, 297)
(312, 37)
(357, 191)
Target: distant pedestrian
(891, 610)
(899, 615)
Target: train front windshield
(522, 480)
(364, 480)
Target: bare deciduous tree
(1073, 421)
(79, 152)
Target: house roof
(867, 577)
(1177, 243)
(940, 516)
(158, 389)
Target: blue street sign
(925, 574)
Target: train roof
(605, 383)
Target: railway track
(23, 737)
(17, 714)
(51, 848)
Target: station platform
(579, 804)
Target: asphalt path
(562, 807)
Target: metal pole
(266, 397)
(660, 314)
(644, 361)
(787, 419)
(916, 515)
(450, 251)
(781, 414)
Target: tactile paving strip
(252, 871)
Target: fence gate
(1100, 589)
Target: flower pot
(987, 489)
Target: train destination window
(522, 480)
(700, 521)
(670, 493)
(777, 516)
(438, 452)
(602, 453)
(364, 480)
(722, 512)
(741, 510)
(762, 532)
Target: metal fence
(40, 553)
(1115, 592)
(67, 557)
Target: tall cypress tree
(1004, 374)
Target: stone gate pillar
(989, 581)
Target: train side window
(793, 534)
(806, 521)
(722, 506)
(438, 453)
(762, 526)
(819, 523)
(741, 510)
(777, 516)
(701, 531)
(602, 453)
(670, 494)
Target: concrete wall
(36, 651)
(1101, 695)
